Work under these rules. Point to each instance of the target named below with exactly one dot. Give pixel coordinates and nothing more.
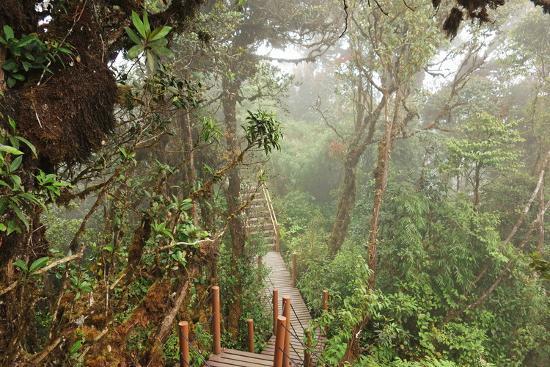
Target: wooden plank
(242, 353)
(231, 357)
(242, 360)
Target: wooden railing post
(184, 343)
(216, 320)
(307, 351)
(325, 300)
(250, 323)
(286, 314)
(279, 342)
(275, 309)
(293, 269)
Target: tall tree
(243, 63)
(386, 55)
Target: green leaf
(150, 61)
(146, 22)
(65, 51)
(12, 227)
(16, 163)
(19, 77)
(135, 51)
(133, 36)
(26, 65)
(159, 33)
(186, 204)
(3, 227)
(158, 43)
(28, 39)
(10, 65)
(22, 217)
(21, 265)
(31, 198)
(38, 264)
(8, 32)
(5, 184)
(75, 347)
(28, 144)
(10, 150)
(12, 123)
(162, 51)
(30, 56)
(138, 24)
(179, 256)
(11, 82)
(16, 181)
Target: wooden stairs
(260, 219)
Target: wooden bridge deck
(279, 278)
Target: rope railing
(297, 318)
(293, 362)
(280, 352)
(290, 358)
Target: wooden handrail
(273, 217)
(293, 268)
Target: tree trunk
(540, 243)
(188, 159)
(362, 138)
(345, 203)
(232, 193)
(2, 76)
(381, 179)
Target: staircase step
(261, 214)
(260, 225)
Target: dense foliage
(409, 175)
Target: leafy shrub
(29, 53)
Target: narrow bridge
(281, 284)
(291, 344)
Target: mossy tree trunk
(232, 194)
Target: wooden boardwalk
(279, 278)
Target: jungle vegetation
(405, 143)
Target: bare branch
(317, 107)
